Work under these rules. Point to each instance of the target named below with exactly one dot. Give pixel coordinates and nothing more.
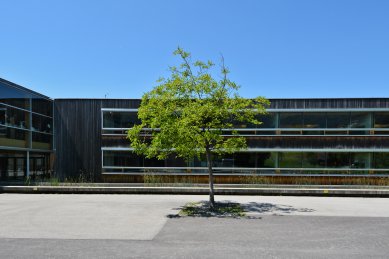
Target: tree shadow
(250, 210)
(271, 208)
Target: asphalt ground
(138, 226)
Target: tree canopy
(188, 113)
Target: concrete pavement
(137, 226)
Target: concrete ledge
(347, 192)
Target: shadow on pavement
(259, 207)
(250, 210)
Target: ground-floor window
(13, 165)
(358, 162)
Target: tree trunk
(211, 191)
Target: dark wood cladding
(336, 103)
(77, 138)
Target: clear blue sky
(295, 48)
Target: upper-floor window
(119, 119)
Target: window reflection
(338, 160)
(314, 160)
(290, 159)
(11, 137)
(338, 120)
(14, 117)
(314, 120)
(359, 160)
(291, 120)
(268, 121)
(12, 96)
(381, 160)
(360, 120)
(381, 120)
(112, 119)
(42, 106)
(42, 123)
(41, 141)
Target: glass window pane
(39, 165)
(12, 164)
(15, 97)
(341, 160)
(265, 160)
(42, 106)
(113, 119)
(122, 158)
(11, 137)
(381, 120)
(246, 160)
(314, 160)
(360, 120)
(314, 120)
(268, 121)
(338, 120)
(14, 117)
(130, 159)
(291, 120)
(290, 159)
(42, 123)
(173, 161)
(381, 160)
(41, 141)
(226, 160)
(359, 160)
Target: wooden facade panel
(78, 135)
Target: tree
(187, 113)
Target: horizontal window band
(25, 149)
(248, 169)
(274, 135)
(247, 174)
(308, 150)
(25, 129)
(275, 129)
(25, 110)
(280, 110)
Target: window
(360, 120)
(14, 137)
(14, 117)
(314, 160)
(338, 160)
(381, 160)
(41, 141)
(42, 123)
(290, 159)
(114, 119)
(381, 120)
(291, 120)
(338, 120)
(268, 121)
(314, 120)
(359, 160)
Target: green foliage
(185, 113)
(54, 181)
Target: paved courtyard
(138, 226)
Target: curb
(383, 193)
